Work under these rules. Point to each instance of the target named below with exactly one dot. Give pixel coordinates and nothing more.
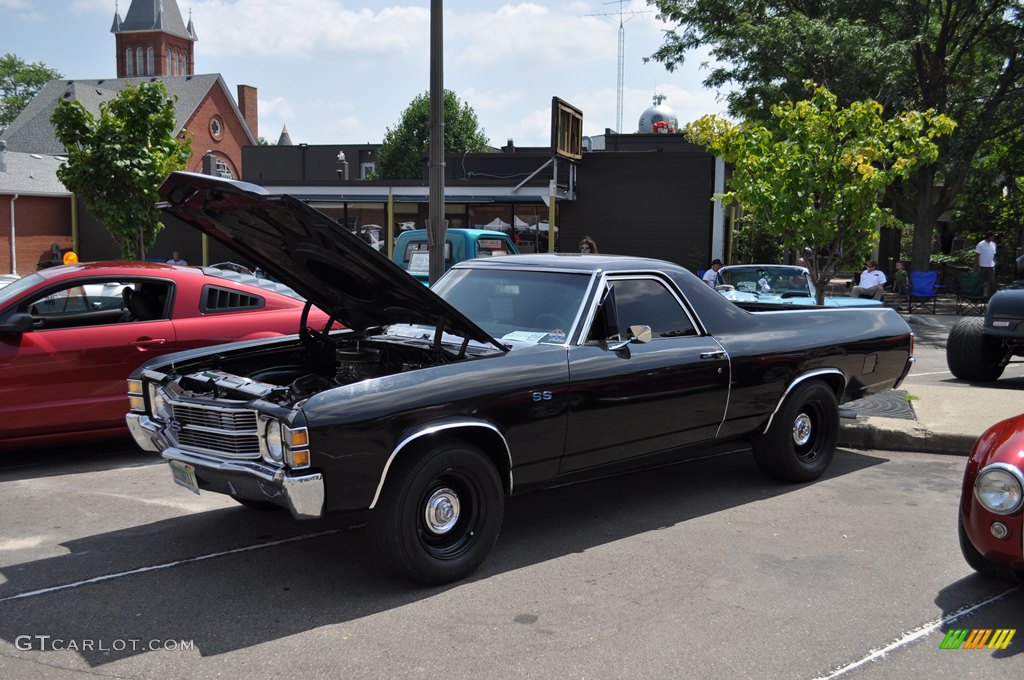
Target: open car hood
(310, 252)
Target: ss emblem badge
(541, 396)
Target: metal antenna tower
(620, 77)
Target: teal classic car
(776, 284)
(411, 249)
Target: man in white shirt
(871, 284)
(711, 276)
(985, 260)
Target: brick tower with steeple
(152, 40)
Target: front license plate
(184, 475)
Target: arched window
(169, 60)
(128, 63)
(140, 66)
(150, 66)
(184, 64)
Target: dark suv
(978, 348)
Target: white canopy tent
(497, 223)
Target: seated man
(871, 284)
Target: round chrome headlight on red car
(1000, 488)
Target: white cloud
(309, 29)
(278, 107)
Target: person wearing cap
(711, 276)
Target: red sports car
(992, 502)
(70, 335)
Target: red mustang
(70, 335)
(992, 502)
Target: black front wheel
(801, 441)
(972, 355)
(439, 514)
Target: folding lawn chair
(971, 295)
(923, 290)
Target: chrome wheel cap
(802, 430)
(442, 511)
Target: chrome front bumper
(303, 495)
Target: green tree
(961, 58)
(993, 200)
(405, 145)
(814, 177)
(116, 163)
(19, 82)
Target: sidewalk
(940, 418)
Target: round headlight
(998, 490)
(275, 445)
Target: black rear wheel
(439, 514)
(801, 441)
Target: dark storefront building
(643, 194)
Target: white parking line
(166, 565)
(917, 634)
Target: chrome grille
(231, 433)
(230, 420)
(222, 443)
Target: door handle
(143, 344)
(718, 354)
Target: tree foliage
(814, 176)
(962, 58)
(405, 145)
(19, 82)
(993, 200)
(116, 163)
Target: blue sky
(340, 71)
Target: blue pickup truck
(411, 252)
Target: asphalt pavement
(932, 412)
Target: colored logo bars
(978, 638)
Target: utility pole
(437, 227)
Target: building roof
(32, 131)
(154, 15)
(30, 174)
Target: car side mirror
(16, 324)
(638, 334)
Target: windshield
(514, 305)
(15, 288)
(768, 280)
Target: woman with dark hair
(588, 246)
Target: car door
(67, 373)
(643, 397)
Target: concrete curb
(868, 433)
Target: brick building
(153, 43)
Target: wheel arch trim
(816, 373)
(434, 429)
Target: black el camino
(512, 373)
